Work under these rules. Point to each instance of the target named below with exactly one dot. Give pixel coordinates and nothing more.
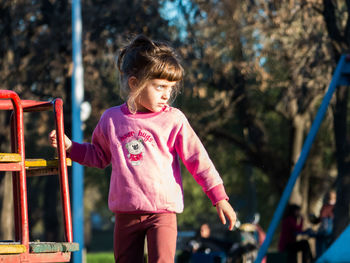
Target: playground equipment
(21, 249)
(338, 252)
(341, 77)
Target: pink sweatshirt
(143, 149)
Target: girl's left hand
(224, 210)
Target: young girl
(143, 140)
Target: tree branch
(331, 21)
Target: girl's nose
(166, 94)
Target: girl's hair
(146, 59)
(291, 210)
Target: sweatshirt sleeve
(94, 154)
(196, 159)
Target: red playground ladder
(21, 249)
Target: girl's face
(155, 95)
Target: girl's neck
(140, 114)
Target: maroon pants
(130, 231)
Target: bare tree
(264, 67)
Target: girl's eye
(159, 87)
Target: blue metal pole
(77, 134)
(300, 163)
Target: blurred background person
(292, 226)
(324, 232)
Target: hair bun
(142, 41)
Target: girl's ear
(132, 81)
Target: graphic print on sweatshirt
(136, 150)
(135, 145)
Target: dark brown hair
(146, 59)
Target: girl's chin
(157, 108)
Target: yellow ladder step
(12, 248)
(40, 163)
(10, 158)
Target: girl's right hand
(224, 210)
(53, 141)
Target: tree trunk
(6, 219)
(341, 219)
(299, 128)
(51, 221)
(339, 46)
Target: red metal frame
(9, 100)
(58, 109)
(19, 175)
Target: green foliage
(198, 208)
